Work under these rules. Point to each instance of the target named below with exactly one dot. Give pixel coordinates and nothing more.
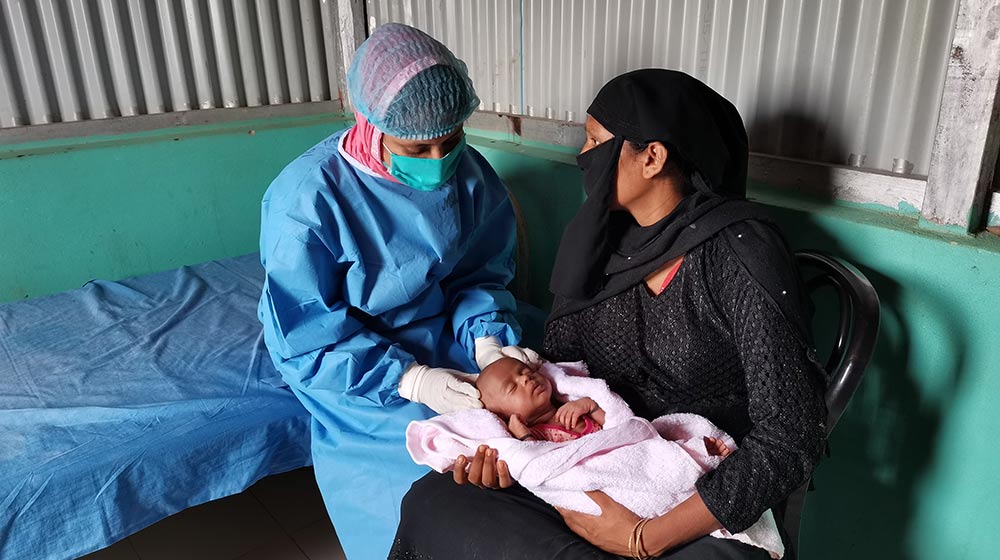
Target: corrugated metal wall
(843, 81)
(69, 60)
(485, 34)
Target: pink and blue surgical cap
(409, 85)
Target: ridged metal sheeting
(70, 60)
(843, 81)
(485, 34)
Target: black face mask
(584, 248)
(605, 252)
(599, 165)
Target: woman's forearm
(690, 520)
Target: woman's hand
(485, 471)
(441, 389)
(488, 350)
(609, 531)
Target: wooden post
(350, 26)
(967, 138)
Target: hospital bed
(122, 403)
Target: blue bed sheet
(124, 402)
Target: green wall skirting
(912, 471)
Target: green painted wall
(913, 468)
(912, 472)
(121, 206)
(547, 191)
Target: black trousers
(441, 520)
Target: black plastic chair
(852, 349)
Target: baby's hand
(569, 414)
(517, 427)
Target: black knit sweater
(714, 344)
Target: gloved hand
(442, 389)
(488, 350)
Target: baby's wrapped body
(649, 467)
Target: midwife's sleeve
(785, 389)
(476, 289)
(316, 340)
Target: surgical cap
(409, 85)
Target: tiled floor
(280, 518)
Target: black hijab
(603, 253)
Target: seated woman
(684, 297)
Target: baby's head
(509, 386)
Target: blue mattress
(124, 402)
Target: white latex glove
(488, 350)
(443, 390)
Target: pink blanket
(649, 467)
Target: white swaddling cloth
(649, 467)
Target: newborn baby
(577, 435)
(524, 399)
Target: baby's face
(508, 386)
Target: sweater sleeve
(785, 388)
(562, 340)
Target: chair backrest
(857, 330)
(857, 326)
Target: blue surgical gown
(363, 277)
